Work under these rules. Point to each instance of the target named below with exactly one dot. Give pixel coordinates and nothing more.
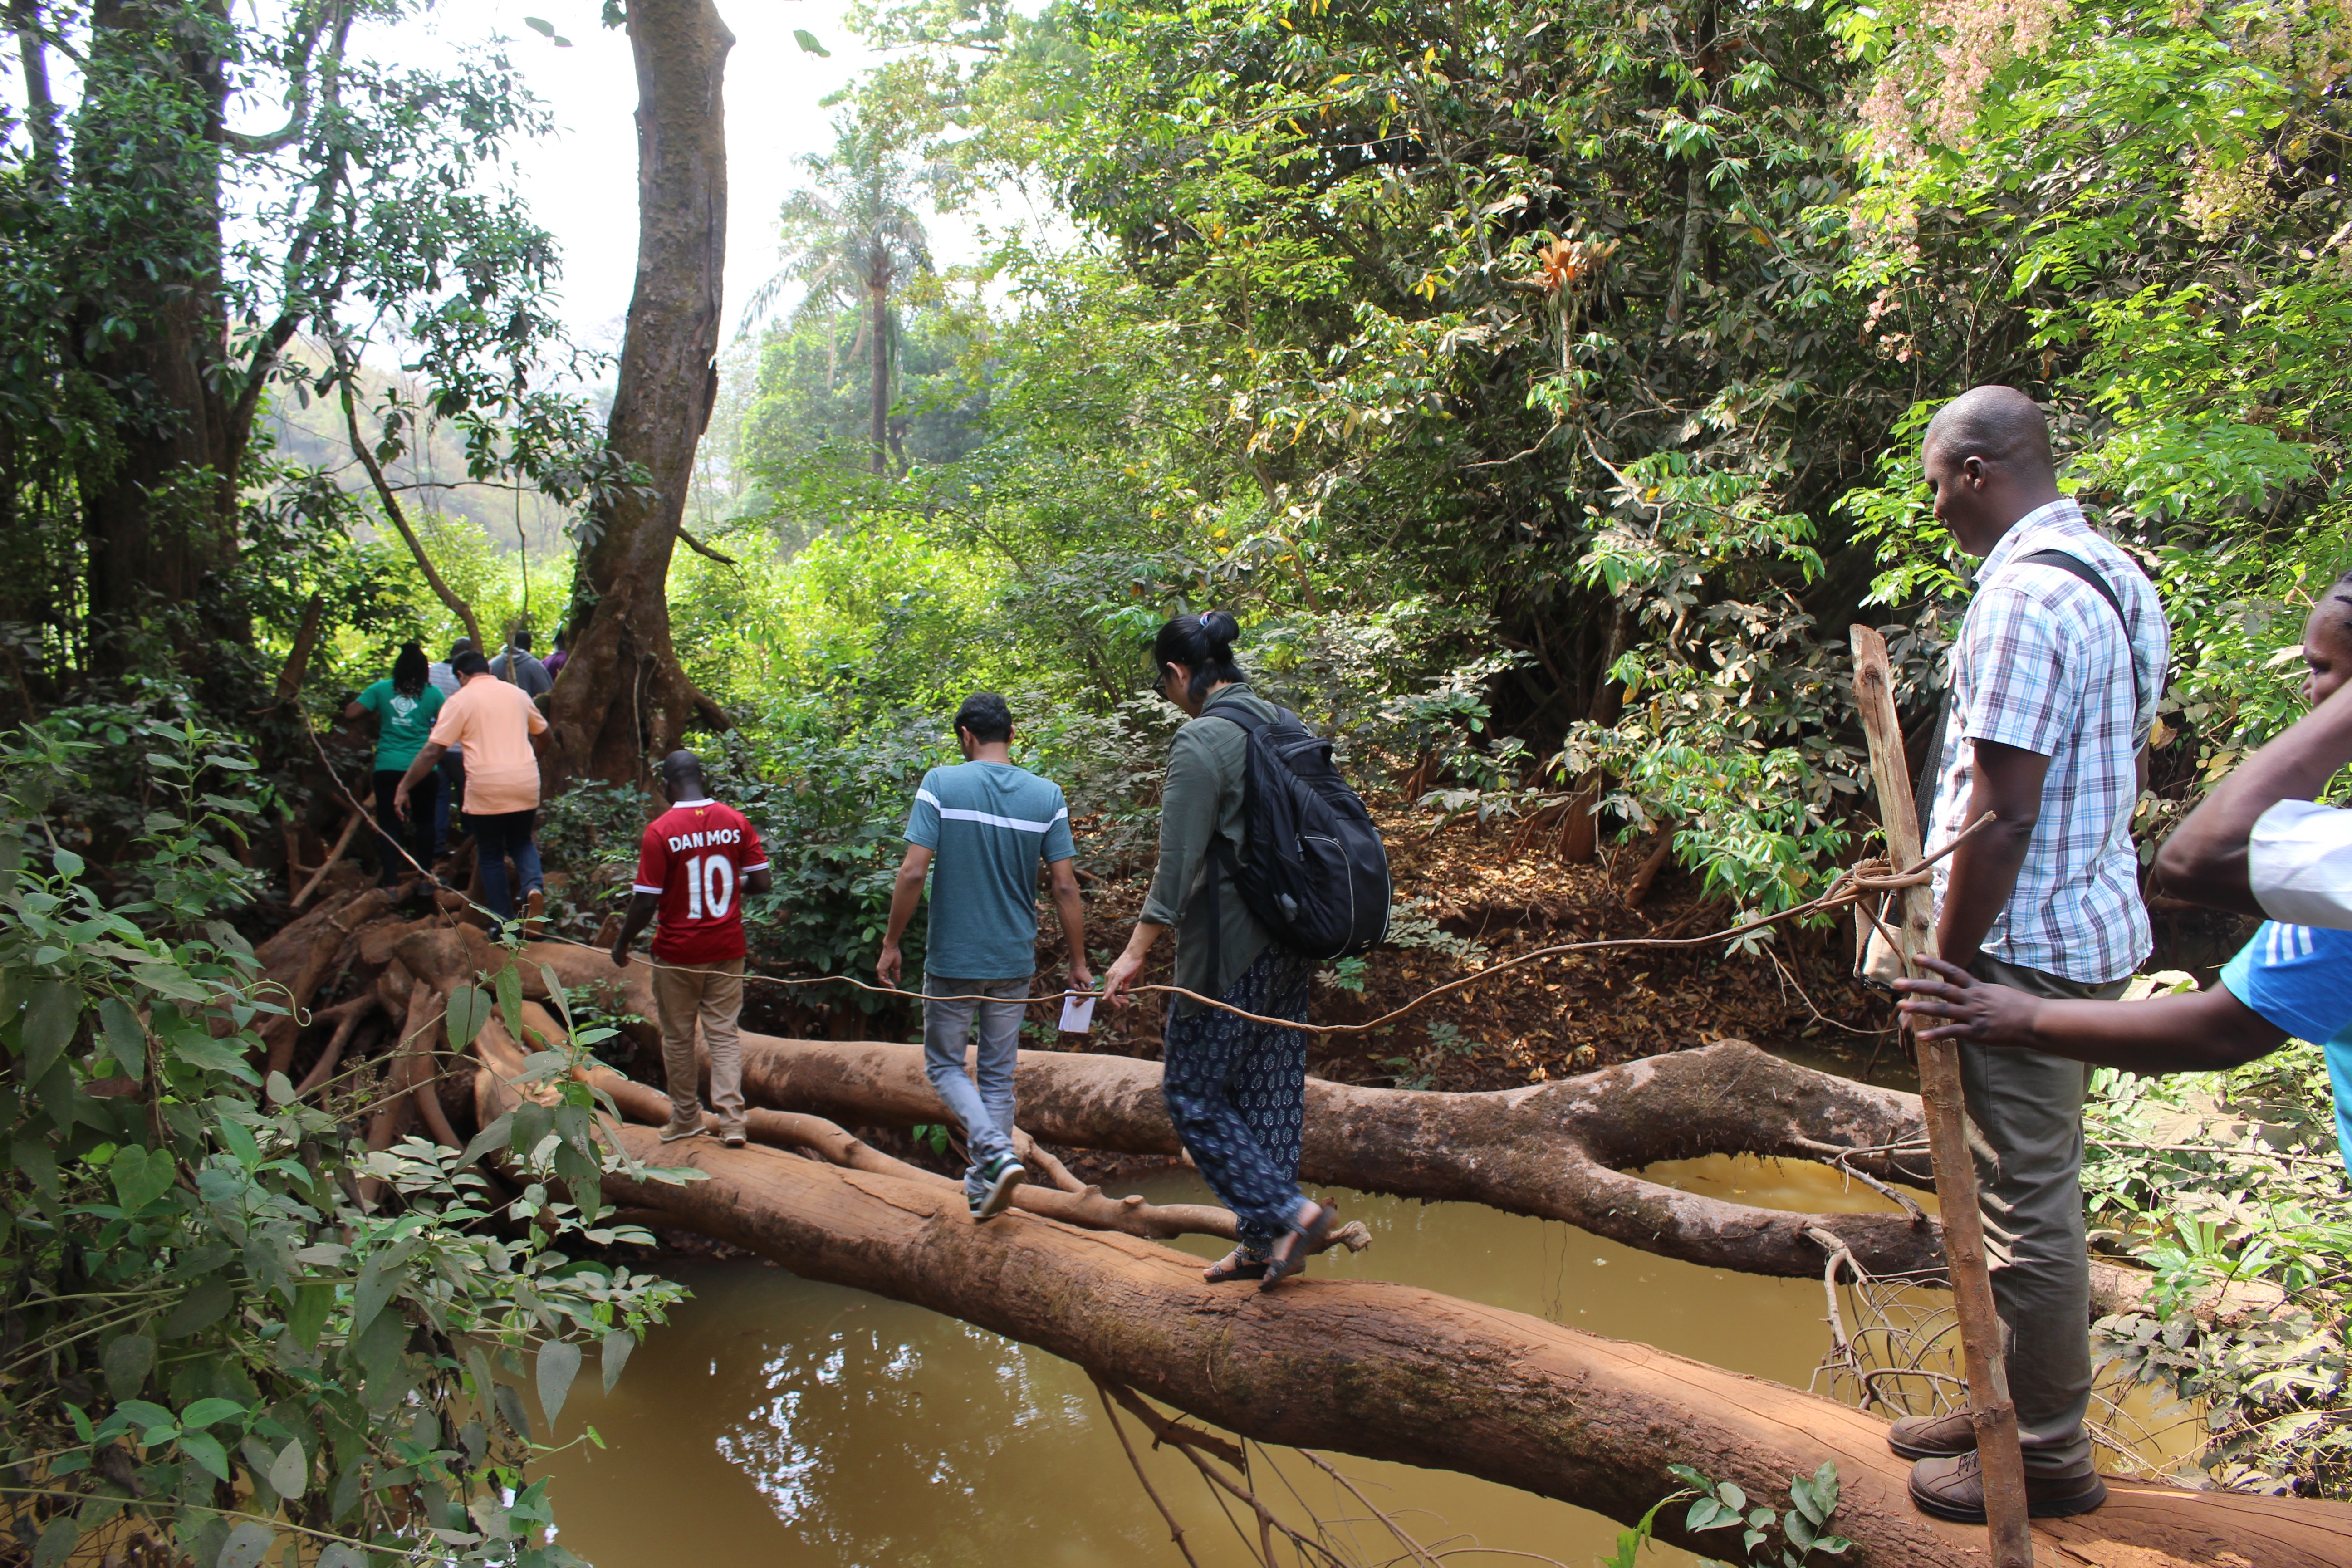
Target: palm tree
(849, 238)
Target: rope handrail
(1852, 885)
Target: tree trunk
(159, 513)
(623, 692)
(1394, 1372)
(878, 294)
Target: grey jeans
(985, 1111)
(2030, 1108)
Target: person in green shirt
(1235, 1086)
(404, 707)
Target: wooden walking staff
(1944, 1103)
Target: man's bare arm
(2007, 783)
(905, 894)
(1071, 905)
(2205, 858)
(641, 915)
(2204, 1031)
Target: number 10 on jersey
(710, 886)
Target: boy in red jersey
(696, 863)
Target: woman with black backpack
(1235, 1088)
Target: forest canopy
(1541, 385)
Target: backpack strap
(1931, 769)
(2077, 568)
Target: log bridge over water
(1379, 1371)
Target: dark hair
(522, 638)
(985, 713)
(410, 670)
(468, 661)
(1202, 644)
(460, 646)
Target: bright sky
(581, 181)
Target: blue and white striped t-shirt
(2300, 979)
(987, 824)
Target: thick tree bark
(877, 297)
(1390, 1371)
(157, 514)
(622, 692)
(1558, 1151)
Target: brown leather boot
(1933, 1436)
(1953, 1488)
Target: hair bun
(1218, 629)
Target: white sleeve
(2299, 862)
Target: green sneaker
(1002, 1176)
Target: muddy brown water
(783, 1422)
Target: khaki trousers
(712, 994)
(2030, 1108)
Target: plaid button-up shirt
(2043, 664)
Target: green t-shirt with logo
(402, 723)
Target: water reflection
(806, 1426)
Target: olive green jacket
(1200, 802)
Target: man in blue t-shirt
(2289, 981)
(979, 831)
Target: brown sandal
(1238, 1264)
(1303, 1238)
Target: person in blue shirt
(978, 831)
(2292, 980)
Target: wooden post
(1944, 1103)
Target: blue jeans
(1237, 1093)
(495, 838)
(985, 1111)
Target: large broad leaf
(141, 1176)
(128, 1360)
(126, 1038)
(339, 1555)
(205, 1451)
(510, 1406)
(207, 1413)
(808, 41)
(247, 1544)
(312, 1302)
(470, 1009)
(51, 1012)
(490, 1139)
(56, 1543)
(201, 1307)
(615, 1354)
(559, 1363)
(510, 983)
(289, 1472)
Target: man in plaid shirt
(2055, 678)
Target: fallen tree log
(1555, 1151)
(1394, 1372)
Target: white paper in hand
(1077, 1012)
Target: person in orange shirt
(495, 723)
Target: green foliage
(1715, 1505)
(220, 1341)
(1803, 1526)
(2233, 1180)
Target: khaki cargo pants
(713, 994)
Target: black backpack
(1317, 875)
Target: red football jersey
(694, 858)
